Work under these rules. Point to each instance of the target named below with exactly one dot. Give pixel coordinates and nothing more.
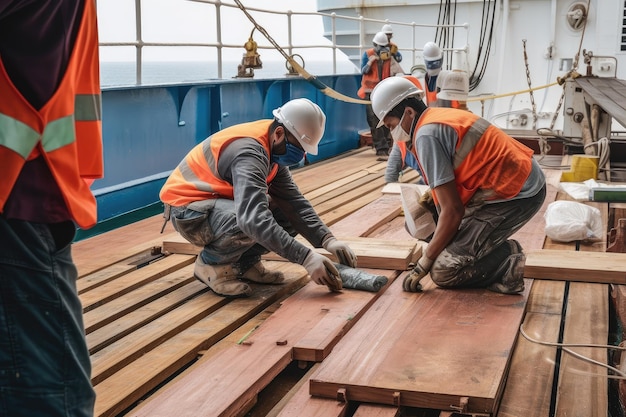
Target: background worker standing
(393, 48)
(377, 64)
(234, 196)
(433, 59)
(485, 186)
(50, 146)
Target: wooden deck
(162, 344)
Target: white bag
(568, 221)
(418, 221)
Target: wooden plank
(582, 385)
(355, 188)
(531, 373)
(371, 253)
(429, 350)
(318, 342)
(97, 252)
(133, 280)
(124, 351)
(334, 169)
(376, 410)
(570, 265)
(127, 303)
(245, 369)
(365, 220)
(146, 315)
(122, 389)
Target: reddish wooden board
(427, 350)
(243, 370)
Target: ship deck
(162, 344)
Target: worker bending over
(485, 186)
(233, 195)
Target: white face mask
(399, 134)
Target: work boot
(258, 273)
(222, 279)
(511, 271)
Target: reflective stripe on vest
(501, 176)
(22, 139)
(470, 140)
(66, 130)
(197, 178)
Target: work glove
(412, 281)
(322, 271)
(341, 250)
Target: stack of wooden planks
(162, 344)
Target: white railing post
(218, 28)
(138, 48)
(289, 38)
(361, 40)
(333, 21)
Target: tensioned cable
(308, 77)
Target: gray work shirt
(436, 144)
(245, 164)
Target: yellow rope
(483, 98)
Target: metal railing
(361, 26)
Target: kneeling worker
(485, 186)
(233, 195)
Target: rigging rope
(308, 77)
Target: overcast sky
(191, 21)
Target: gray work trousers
(381, 136)
(480, 245)
(212, 224)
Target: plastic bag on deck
(568, 221)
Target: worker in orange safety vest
(485, 186)
(377, 64)
(233, 195)
(50, 150)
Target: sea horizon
(123, 73)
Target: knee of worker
(446, 269)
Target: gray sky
(189, 21)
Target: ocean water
(115, 73)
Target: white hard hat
(389, 93)
(454, 85)
(387, 29)
(432, 52)
(381, 39)
(305, 120)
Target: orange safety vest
(196, 178)
(369, 80)
(66, 131)
(485, 157)
(402, 147)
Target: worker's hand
(412, 281)
(322, 271)
(372, 58)
(341, 250)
